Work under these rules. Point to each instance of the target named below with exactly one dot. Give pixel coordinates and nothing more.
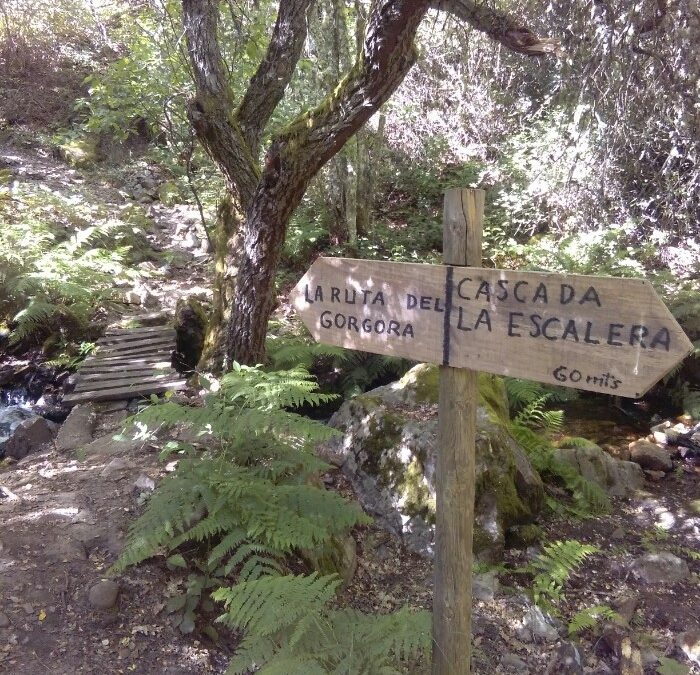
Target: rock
(4, 620)
(631, 658)
(80, 152)
(626, 607)
(104, 594)
(191, 326)
(566, 661)
(28, 437)
(116, 467)
(388, 454)
(112, 406)
(618, 478)
(513, 663)
(77, 430)
(485, 586)
(339, 557)
(144, 484)
(536, 626)
(654, 476)
(618, 534)
(650, 456)
(689, 642)
(660, 568)
(169, 193)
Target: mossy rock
(169, 193)
(388, 449)
(80, 152)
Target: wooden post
(455, 476)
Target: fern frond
(589, 617)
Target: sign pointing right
(603, 334)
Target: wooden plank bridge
(129, 362)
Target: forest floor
(63, 518)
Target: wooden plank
(151, 339)
(455, 478)
(96, 385)
(602, 334)
(98, 367)
(135, 331)
(127, 374)
(147, 355)
(123, 392)
(133, 346)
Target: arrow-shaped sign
(602, 334)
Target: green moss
(169, 193)
(416, 494)
(80, 152)
(423, 382)
(384, 433)
(524, 535)
(576, 442)
(493, 396)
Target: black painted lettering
(408, 330)
(379, 326)
(485, 290)
(570, 329)
(438, 307)
(591, 295)
(546, 325)
(587, 337)
(365, 295)
(516, 288)
(335, 294)
(614, 332)
(512, 325)
(367, 325)
(411, 301)
(459, 288)
(559, 373)
(663, 338)
(340, 321)
(350, 299)
(575, 375)
(541, 294)
(460, 320)
(393, 328)
(566, 294)
(307, 297)
(536, 329)
(637, 335)
(484, 319)
(503, 291)
(425, 301)
(352, 324)
(319, 294)
(595, 381)
(379, 298)
(325, 319)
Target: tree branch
(499, 26)
(274, 73)
(211, 110)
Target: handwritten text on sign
(596, 333)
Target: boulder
(690, 644)
(650, 456)
(30, 436)
(77, 430)
(191, 326)
(387, 450)
(10, 418)
(617, 477)
(660, 568)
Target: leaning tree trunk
(263, 199)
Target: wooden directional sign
(602, 334)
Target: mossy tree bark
(262, 199)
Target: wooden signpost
(602, 334)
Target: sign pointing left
(602, 334)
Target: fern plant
(242, 500)
(588, 617)
(529, 400)
(588, 497)
(552, 568)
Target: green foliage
(671, 667)
(553, 567)
(528, 401)
(588, 497)
(56, 270)
(290, 629)
(242, 500)
(588, 617)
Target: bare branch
(500, 27)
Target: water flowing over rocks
(387, 451)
